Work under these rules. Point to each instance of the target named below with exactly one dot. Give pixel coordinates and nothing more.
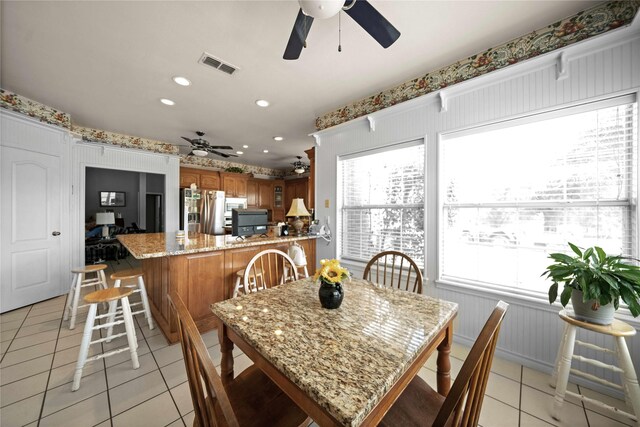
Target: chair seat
(418, 405)
(126, 274)
(257, 270)
(106, 295)
(89, 268)
(257, 401)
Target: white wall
(606, 66)
(86, 155)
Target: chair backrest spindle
(273, 266)
(397, 273)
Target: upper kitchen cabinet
(234, 184)
(204, 179)
(265, 194)
(210, 180)
(252, 193)
(188, 177)
(296, 189)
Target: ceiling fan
(299, 167)
(200, 147)
(360, 10)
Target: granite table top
(345, 359)
(155, 245)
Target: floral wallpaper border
(588, 23)
(20, 104)
(224, 164)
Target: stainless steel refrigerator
(202, 211)
(212, 212)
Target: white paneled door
(30, 227)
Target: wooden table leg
(226, 349)
(443, 362)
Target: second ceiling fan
(360, 10)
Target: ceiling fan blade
(221, 147)
(373, 23)
(225, 155)
(298, 36)
(187, 139)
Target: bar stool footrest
(597, 363)
(107, 354)
(595, 347)
(594, 378)
(601, 404)
(108, 338)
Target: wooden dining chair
(397, 268)
(251, 399)
(420, 405)
(273, 266)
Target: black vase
(330, 295)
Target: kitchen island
(202, 269)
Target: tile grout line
(520, 399)
(44, 397)
(14, 337)
(106, 381)
(160, 370)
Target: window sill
(526, 300)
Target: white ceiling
(109, 63)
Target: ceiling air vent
(218, 64)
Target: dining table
(345, 366)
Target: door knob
(55, 233)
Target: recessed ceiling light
(265, 151)
(239, 152)
(245, 146)
(166, 101)
(182, 81)
(262, 103)
(278, 138)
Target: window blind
(382, 203)
(513, 194)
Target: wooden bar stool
(111, 295)
(80, 281)
(560, 377)
(253, 284)
(136, 288)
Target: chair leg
(103, 285)
(564, 368)
(306, 272)
(84, 346)
(131, 332)
(76, 300)
(629, 378)
(145, 301)
(70, 297)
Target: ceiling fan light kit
(199, 153)
(360, 11)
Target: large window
(515, 192)
(381, 197)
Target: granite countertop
(154, 245)
(345, 359)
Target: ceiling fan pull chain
(339, 32)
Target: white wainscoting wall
(86, 155)
(604, 67)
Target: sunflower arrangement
(331, 272)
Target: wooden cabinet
(188, 177)
(234, 185)
(296, 189)
(265, 194)
(252, 193)
(210, 181)
(204, 179)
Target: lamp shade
(105, 218)
(298, 209)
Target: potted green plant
(234, 169)
(595, 282)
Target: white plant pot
(603, 315)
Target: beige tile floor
(39, 353)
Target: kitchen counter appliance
(231, 203)
(247, 222)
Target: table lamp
(105, 219)
(298, 210)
